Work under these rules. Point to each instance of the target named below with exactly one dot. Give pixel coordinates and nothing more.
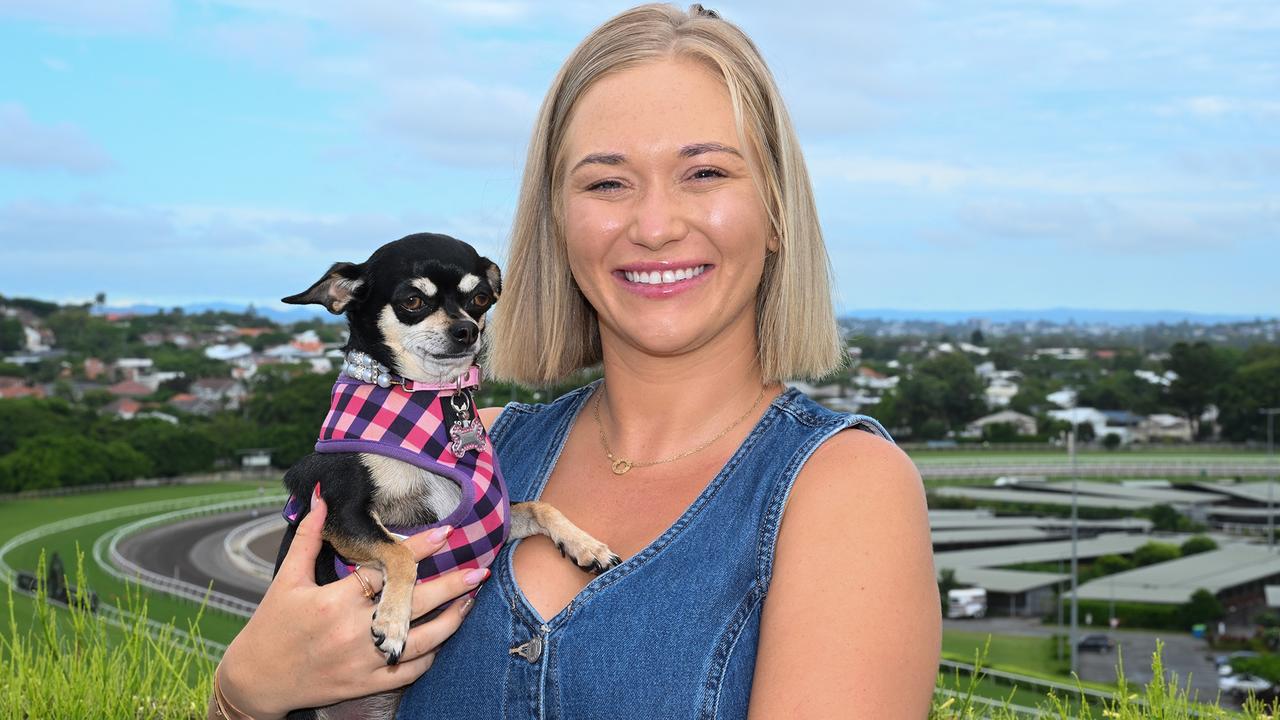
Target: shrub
(1198, 544)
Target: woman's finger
(299, 562)
(391, 677)
(430, 595)
(427, 637)
(427, 543)
(421, 545)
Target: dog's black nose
(464, 333)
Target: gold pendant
(620, 466)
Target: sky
(965, 155)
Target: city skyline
(1079, 153)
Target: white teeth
(663, 277)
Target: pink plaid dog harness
(435, 428)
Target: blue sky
(966, 155)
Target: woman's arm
(852, 625)
(309, 645)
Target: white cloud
(1215, 106)
(28, 145)
(94, 17)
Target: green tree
(24, 418)
(171, 449)
(79, 332)
(1201, 370)
(1155, 552)
(946, 583)
(289, 411)
(942, 393)
(1106, 565)
(1253, 385)
(1203, 607)
(51, 461)
(1198, 544)
(12, 336)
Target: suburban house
(222, 392)
(1023, 424)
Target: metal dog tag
(466, 435)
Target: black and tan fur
(417, 306)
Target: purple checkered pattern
(411, 426)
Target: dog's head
(417, 305)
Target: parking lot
(1183, 656)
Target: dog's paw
(390, 630)
(590, 554)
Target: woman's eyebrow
(689, 151)
(600, 159)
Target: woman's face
(665, 229)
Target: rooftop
(1175, 581)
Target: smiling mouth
(663, 277)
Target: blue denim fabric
(671, 632)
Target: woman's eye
(605, 185)
(707, 173)
(480, 300)
(412, 304)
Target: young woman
(776, 555)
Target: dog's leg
(376, 548)
(539, 518)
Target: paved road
(192, 551)
(1183, 655)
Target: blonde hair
(544, 329)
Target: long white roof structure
(1175, 581)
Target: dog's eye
(480, 300)
(414, 303)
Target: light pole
(1075, 568)
(1271, 479)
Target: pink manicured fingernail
(467, 605)
(317, 495)
(475, 577)
(440, 534)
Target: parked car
(1224, 661)
(1243, 683)
(1096, 643)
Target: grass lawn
(20, 515)
(1024, 654)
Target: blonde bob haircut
(544, 329)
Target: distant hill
(282, 316)
(1061, 316)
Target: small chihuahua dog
(402, 441)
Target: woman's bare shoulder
(852, 623)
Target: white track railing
(107, 554)
(111, 614)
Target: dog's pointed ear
(343, 283)
(493, 275)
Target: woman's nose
(658, 218)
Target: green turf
(1026, 654)
(20, 515)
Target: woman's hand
(309, 645)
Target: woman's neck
(657, 406)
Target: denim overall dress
(671, 632)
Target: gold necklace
(620, 466)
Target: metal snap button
(530, 651)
